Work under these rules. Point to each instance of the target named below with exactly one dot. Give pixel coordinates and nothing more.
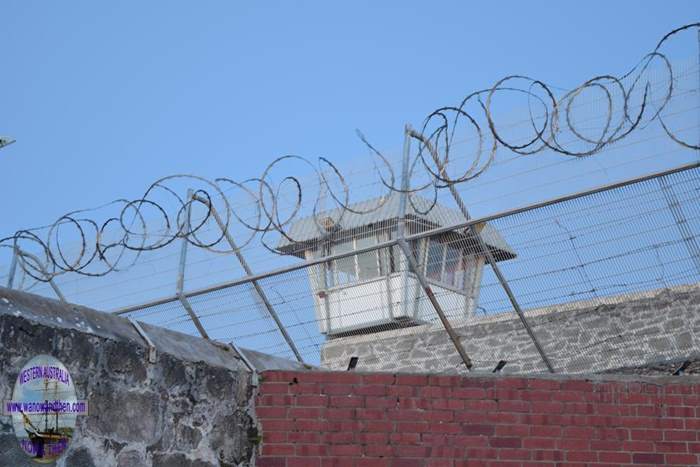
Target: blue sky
(104, 98)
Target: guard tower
(373, 291)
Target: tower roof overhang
(381, 213)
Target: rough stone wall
(583, 337)
(319, 419)
(193, 407)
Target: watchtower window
(442, 259)
(361, 267)
(344, 269)
(434, 260)
(367, 263)
(445, 263)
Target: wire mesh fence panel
(246, 321)
(605, 277)
(170, 315)
(606, 280)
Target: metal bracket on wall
(193, 316)
(152, 355)
(253, 372)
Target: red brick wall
(319, 419)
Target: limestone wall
(583, 337)
(193, 407)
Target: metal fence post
(412, 262)
(401, 227)
(486, 251)
(181, 274)
(249, 272)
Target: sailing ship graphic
(44, 427)
(51, 441)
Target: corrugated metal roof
(385, 209)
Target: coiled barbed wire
(117, 242)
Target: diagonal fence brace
(181, 277)
(475, 230)
(413, 263)
(258, 289)
(152, 354)
(433, 301)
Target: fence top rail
(392, 242)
